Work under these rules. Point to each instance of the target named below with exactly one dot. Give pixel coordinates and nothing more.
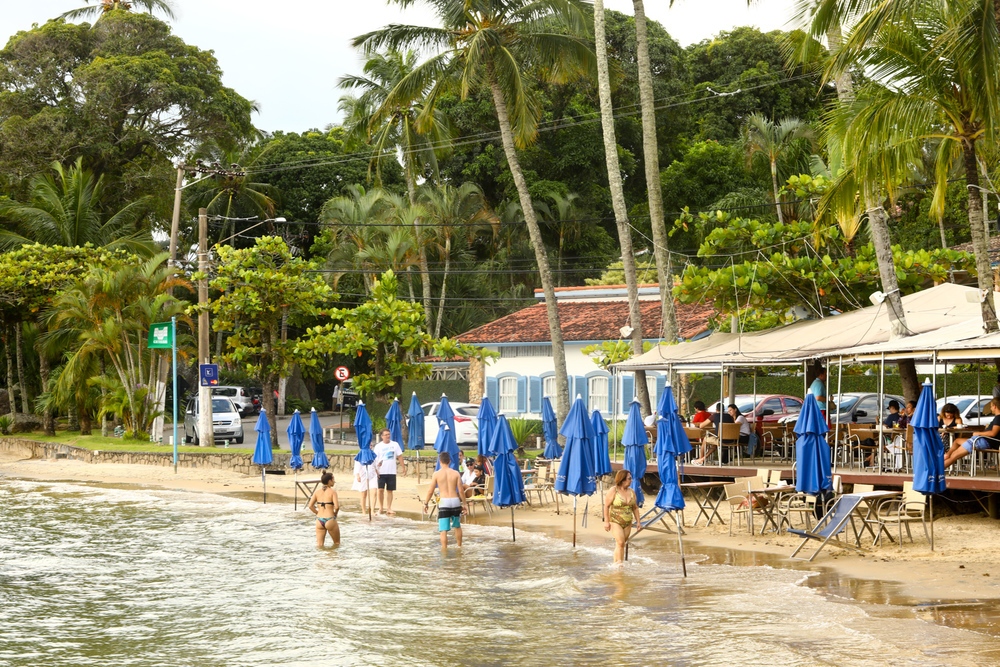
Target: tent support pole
(934, 372)
(836, 427)
(881, 416)
(722, 408)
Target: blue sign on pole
(209, 374)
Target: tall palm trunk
(775, 190)
(444, 285)
(544, 273)
(980, 243)
(651, 157)
(27, 401)
(8, 349)
(48, 417)
(425, 276)
(618, 201)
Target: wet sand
(963, 567)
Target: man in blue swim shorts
(451, 506)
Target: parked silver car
(241, 397)
(226, 424)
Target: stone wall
(216, 458)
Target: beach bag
(752, 444)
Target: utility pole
(206, 436)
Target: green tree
(497, 45)
(772, 140)
(100, 8)
(387, 333)
(356, 221)
(259, 287)
(65, 210)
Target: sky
(287, 56)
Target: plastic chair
(484, 498)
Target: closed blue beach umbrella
(262, 455)
(446, 414)
(394, 422)
(602, 457)
(576, 470)
(812, 453)
(445, 442)
(319, 460)
(928, 450)
(296, 434)
(487, 425)
(635, 440)
(508, 485)
(550, 430)
(673, 438)
(363, 429)
(416, 423)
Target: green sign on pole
(161, 336)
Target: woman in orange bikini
(620, 512)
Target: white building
(516, 382)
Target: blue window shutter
(581, 389)
(628, 391)
(611, 395)
(493, 391)
(522, 394)
(661, 382)
(535, 394)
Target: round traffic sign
(342, 373)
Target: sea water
(92, 575)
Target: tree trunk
(48, 417)
(425, 276)
(777, 192)
(651, 157)
(27, 401)
(980, 242)
(8, 348)
(283, 378)
(73, 418)
(270, 402)
(843, 81)
(908, 377)
(618, 201)
(444, 285)
(83, 414)
(544, 273)
(886, 269)
(409, 283)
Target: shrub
(6, 421)
(525, 430)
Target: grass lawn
(96, 442)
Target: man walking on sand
(452, 505)
(388, 454)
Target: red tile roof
(586, 320)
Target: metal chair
(485, 497)
(910, 509)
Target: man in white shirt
(388, 454)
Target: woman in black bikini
(325, 505)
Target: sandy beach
(964, 565)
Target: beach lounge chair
(833, 523)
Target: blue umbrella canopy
(670, 497)
(487, 424)
(928, 450)
(262, 454)
(508, 484)
(394, 422)
(602, 458)
(635, 440)
(363, 428)
(812, 453)
(550, 430)
(446, 414)
(445, 442)
(670, 436)
(296, 434)
(576, 471)
(416, 423)
(319, 459)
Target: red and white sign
(342, 373)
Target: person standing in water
(365, 480)
(325, 505)
(452, 504)
(620, 512)
(388, 455)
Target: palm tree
(455, 213)
(392, 126)
(101, 7)
(355, 220)
(65, 210)
(651, 158)
(772, 140)
(495, 45)
(618, 200)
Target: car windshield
(220, 405)
(846, 403)
(471, 411)
(963, 403)
(224, 391)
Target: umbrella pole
(513, 535)
(932, 521)
(296, 490)
(574, 522)
(371, 494)
(680, 543)
(263, 479)
(418, 466)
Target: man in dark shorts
(451, 505)
(388, 454)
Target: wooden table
(771, 493)
(708, 506)
(870, 501)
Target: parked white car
(241, 397)
(974, 410)
(226, 424)
(466, 422)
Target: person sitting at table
(477, 484)
(949, 417)
(711, 441)
(470, 472)
(893, 417)
(906, 415)
(701, 414)
(745, 427)
(988, 439)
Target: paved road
(326, 419)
